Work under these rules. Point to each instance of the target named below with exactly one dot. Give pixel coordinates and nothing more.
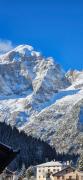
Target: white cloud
(5, 46)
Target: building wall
(42, 171)
(76, 175)
(7, 177)
(65, 171)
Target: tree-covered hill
(32, 151)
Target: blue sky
(54, 27)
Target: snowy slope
(39, 98)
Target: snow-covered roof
(51, 163)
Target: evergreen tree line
(33, 151)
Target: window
(48, 170)
(62, 177)
(70, 177)
(74, 170)
(39, 170)
(58, 177)
(54, 170)
(39, 176)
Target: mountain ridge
(37, 96)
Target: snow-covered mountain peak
(24, 50)
(24, 69)
(76, 79)
(20, 52)
(23, 47)
(37, 96)
(27, 50)
(74, 75)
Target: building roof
(7, 154)
(49, 164)
(64, 171)
(8, 171)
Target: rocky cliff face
(39, 98)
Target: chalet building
(64, 171)
(68, 173)
(8, 175)
(12, 175)
(44, 170)
(77, 175)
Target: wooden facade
(68, 173)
